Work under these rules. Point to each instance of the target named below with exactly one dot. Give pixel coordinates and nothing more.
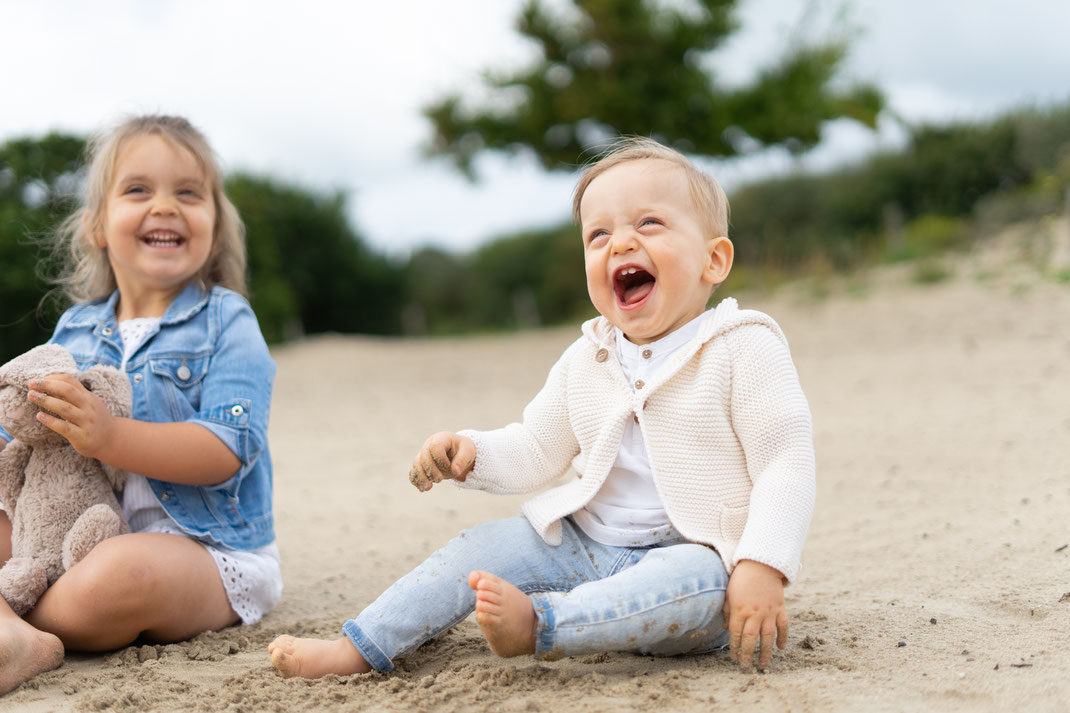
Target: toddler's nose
(623, 241)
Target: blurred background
(406, 167)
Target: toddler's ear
(721, 253)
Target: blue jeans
(588, 597)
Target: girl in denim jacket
(156, 268)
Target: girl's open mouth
(632, 285)
(162, 239)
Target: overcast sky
(329, 93)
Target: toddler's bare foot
(25, 652)
(504, 614)
(315, 658)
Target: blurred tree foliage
(642, 67)
(38, 179)
(309, 271)
(860, 212)
(522, 280)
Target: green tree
(618, 67)
(310, 272)
(38, 179)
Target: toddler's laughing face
(650, 260)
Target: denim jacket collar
(189, 302)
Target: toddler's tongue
(635, 293)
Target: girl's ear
(721, 253)
(96, 238)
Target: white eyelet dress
(252, 578)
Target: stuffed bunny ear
(39, 361)
(112, 386)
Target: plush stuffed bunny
(61, 504)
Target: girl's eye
(133, 189)
(650, 221)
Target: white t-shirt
(627, 511)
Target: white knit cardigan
(726, 426)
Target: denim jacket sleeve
(236, 389)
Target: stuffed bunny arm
(13, 461)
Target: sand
(936, 574)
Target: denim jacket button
(165, 496)
(183, 373)
(237, 410)
(137, 378)
(107, 331)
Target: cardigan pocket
(732, 522)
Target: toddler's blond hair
(709, 198)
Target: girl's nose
(162, 206)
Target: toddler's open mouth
(162, 239)
(632, 284)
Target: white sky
(329, 93)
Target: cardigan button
(639, 383)
(647, 353)
(601, 356)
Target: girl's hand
(74, 412)
(444, 455)
(754, 611)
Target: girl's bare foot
(504, 614)
(25, 652)
(314, 658)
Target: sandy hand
(74, 412)
(754, 613)
(443, 456)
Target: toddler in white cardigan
(690, 443)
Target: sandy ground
(936, 574)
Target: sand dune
(936, 575)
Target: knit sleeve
(523, 457)
(771, 418)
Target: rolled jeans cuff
(545, 626)
(367, 648)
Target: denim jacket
(207, 364)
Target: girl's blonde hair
(709, 198)
(85, 273)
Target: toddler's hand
(754, 610)
(74, 412)
(444, 455)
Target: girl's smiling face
(651, 264)
(159, 223)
